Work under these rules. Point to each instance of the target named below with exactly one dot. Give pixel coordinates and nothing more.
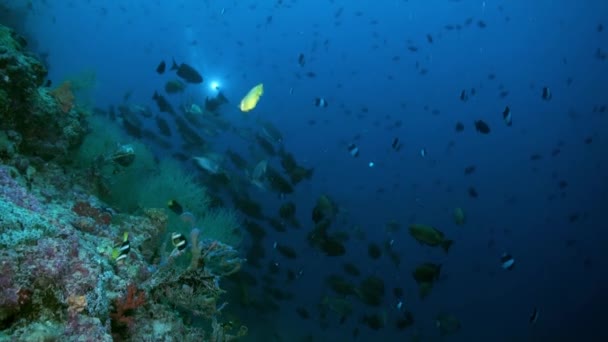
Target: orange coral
(64, 96)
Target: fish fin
(446, 244)
(174, 66)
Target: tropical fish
(353, 150)
(301, 60)
(187, 73)
(396, 145)
(546, 94)
(507, 262)
(425, 275)
(506, 115)
(252, 98)
(174, 86)
(320, 102)
(210, 163)
(120, 253)
(175, 207)
(160, 69)
(162, 103)
(459, 127)
(482, 127)
(163, 126)
(430, 236)
(179, 241)
(447, 324)
(534, 316)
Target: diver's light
(214, 85)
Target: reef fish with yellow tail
(252, 98)
(430, 236)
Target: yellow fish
(251, 99)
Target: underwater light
(214, 85)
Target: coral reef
(34, 121)
(60, 278)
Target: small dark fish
(286, 251)
(473, 192)
(374, 321)
(481, 24)
(459, 127)
(301, 60)
(254, 229)
(469, 169)
(374, 251)
(463, 96)
(536, 156)
(333, 247)
(320, 102)
(311, 74)
(163, 126)
(588, 140)
(162, 103)
(503, 94)
(353, 150)
(429, 38)
(482, 127)
(405, 321)
(546, 94)
(396, 145)
(351, 269)
(160, 69)
(506, 116)
(600, 28)
(187, 73)
(48, 83)
(266, 145)
(175, 207)
(302, 312)
(533, 316)
(573, 217)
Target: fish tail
(446, 244)
(174, 66)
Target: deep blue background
(526, 44)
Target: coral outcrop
(60, 275)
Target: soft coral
(124, 310)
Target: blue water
(521, 210)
